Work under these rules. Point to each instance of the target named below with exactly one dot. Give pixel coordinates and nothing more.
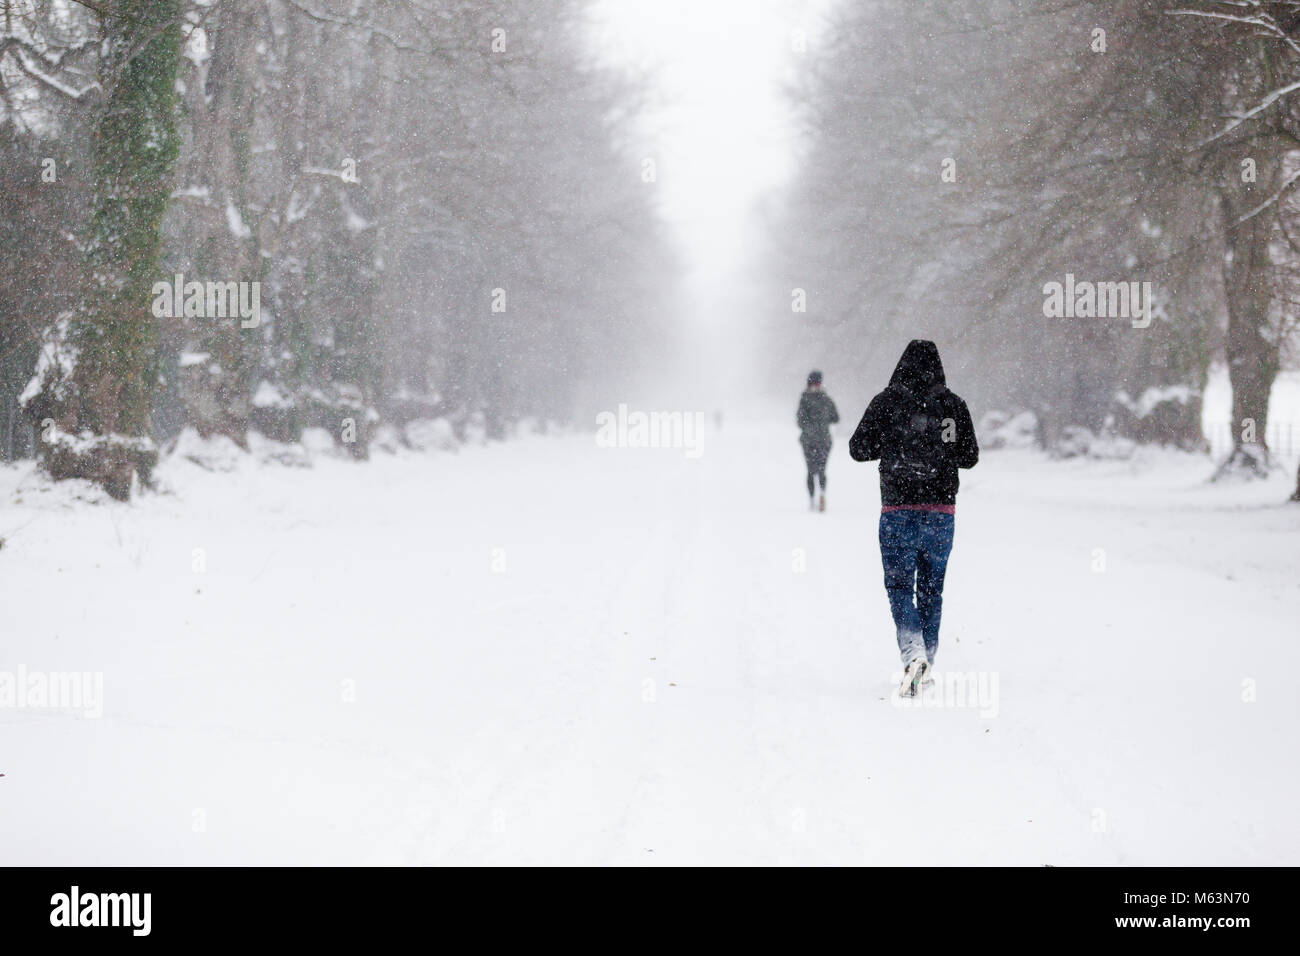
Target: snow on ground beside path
(559, 653)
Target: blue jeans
(914, 548)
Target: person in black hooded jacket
(921, 433)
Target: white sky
(719, 125)
(716, 122)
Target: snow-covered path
(549, 652)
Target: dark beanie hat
(814, 378)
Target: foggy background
(490, 217)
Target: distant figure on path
(921, 433)
(816, 415)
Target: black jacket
(816, 414)
(921, 432)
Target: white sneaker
(914, 677)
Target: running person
(816, 415)
(922, 433)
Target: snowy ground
(549, 652)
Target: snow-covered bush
(274, 413)
(1111, 447)
(217, 453)
(268, 451)
(1075, 441)
(318, 442)
(434, 434)
(387, 439)
(999, 429)
(1161, 415)
(112, 461)
(341, 411)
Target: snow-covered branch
(51, 82)
(1290, 181)
(1250, 114)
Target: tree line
(963, 157)
(429, 203)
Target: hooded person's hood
(919, 370)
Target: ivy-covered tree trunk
(94, 389)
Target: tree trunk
(98, 393)
(1253, 359)
(216, 392)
